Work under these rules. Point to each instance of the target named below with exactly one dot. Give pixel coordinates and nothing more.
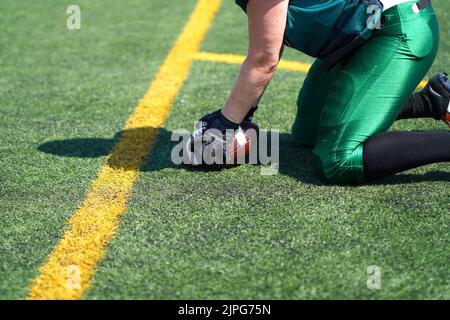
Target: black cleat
(438, 91)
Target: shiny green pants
(340, 109)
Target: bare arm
(267, 22)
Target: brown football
(239, 149)
(241, 145)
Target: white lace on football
(240, 137)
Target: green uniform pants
(340, 109)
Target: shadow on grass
(295, 161)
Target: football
(236, 151)
(242, 143)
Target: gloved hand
(218, 142)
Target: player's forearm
(266, 25)
(250, 85)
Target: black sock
(420, 106)
(392, 152)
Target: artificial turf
(64, 97)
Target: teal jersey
(321, 28)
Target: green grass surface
(229, 234)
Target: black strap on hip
(422, 4)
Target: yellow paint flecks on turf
(237, 59)
(286, 65)
(68, 270)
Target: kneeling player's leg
(311, 101)
(391, 152)
(367, 96)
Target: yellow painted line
(237, 59)
(219, 57)
(68, 270)
(286, 65)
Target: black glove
(216, 120)
(250, 114)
